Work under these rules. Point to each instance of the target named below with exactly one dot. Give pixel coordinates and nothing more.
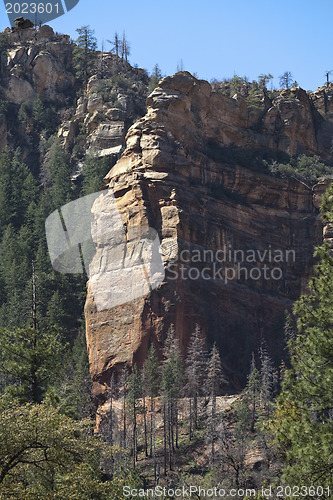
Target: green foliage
(25, 112)
(95, 169)
(4, 42)
(30, 358)
(155, 77)
(106, 89)
(38, 111)
(303, 421)
(72, 393)
(4, 105)
(303, 167)
(44, 454)
(84, 54)
(120, 81)
(17, 189)
(236, 84)
(151, 375)
(264, 79)
(286, 80)
(57, 175)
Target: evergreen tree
(134, 408)
(123, 385)
(155, 77)
(152, 383)
(195, 373)
(84, 54)
(17, 189)
(253, 390)
(266, 378)
(30, 358)
(111, 419)
(303, 422)
(286, 80)
(171, 385)
(214, 379)
(95, 169)
(264, 79)
(58, 177)
(75, 389)
(38, 112)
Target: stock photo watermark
(36, 11)
(125, 262)
(230, 264)
(219, 492)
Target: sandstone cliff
(190, 170)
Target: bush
(4, 42)
(3, 107)
(303, 167)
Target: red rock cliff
(182, 173)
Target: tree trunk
(151, 425)
(134, 435)
(176, 421)
(124, 420)
(190, 433)
(165, 438)
(170, 433)
(145, 425)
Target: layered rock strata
(182, 174)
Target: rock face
(188, 172)
(45, 61)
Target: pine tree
(302, 422)
(38, 112)
(84, 54)
(111, 397)
(17, 189)
(195, 372)
(286, 80)
(253, 390)
(214, 380)
(171, 385)
(123, 385)
(263, 80)
(155, 77)
(152, 383)
(57, 173)
(134, 408)
(75, 388)
(95, 169)
(266, 377)
(30, 357)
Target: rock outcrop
(38, 62)
(188, 170)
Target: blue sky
(215, 38)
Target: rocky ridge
(39, 63)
